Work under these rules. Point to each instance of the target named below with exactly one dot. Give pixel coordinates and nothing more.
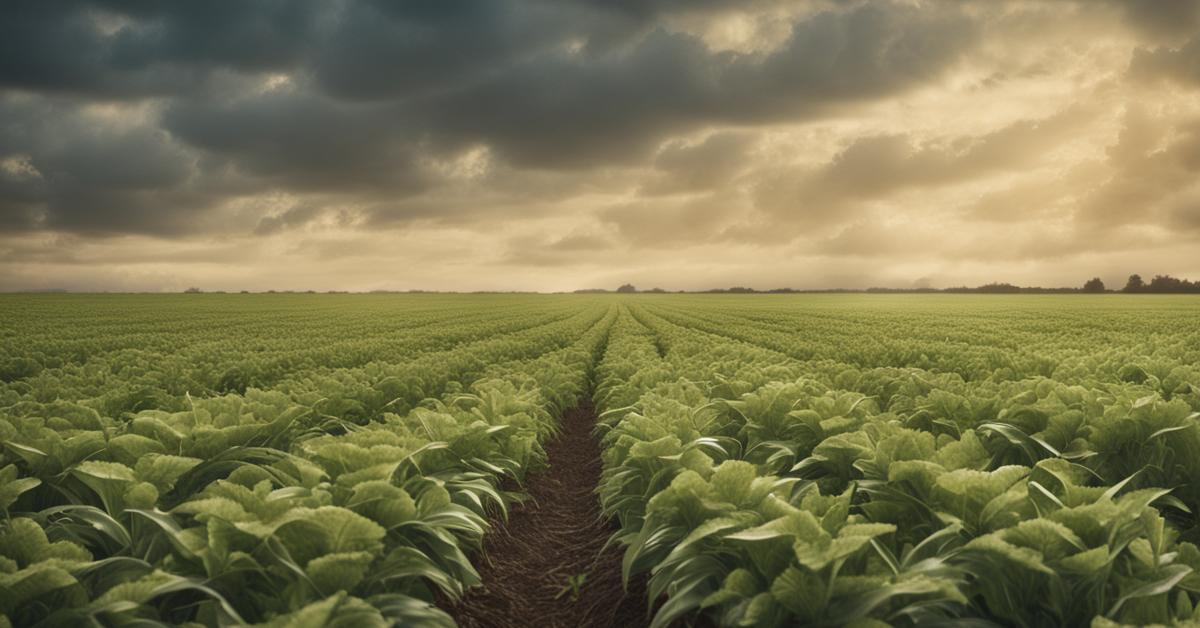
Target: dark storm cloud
(356, 49)
(586, 133)
(358, 99)
(301, 141)
(79, 173)
(394, 50)
(129, 49)
(1162, 18)
(366, 49)
(647, 9)
(577, 110)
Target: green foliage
(771, 461)
(573, 587)
(349, 494)
(950, 475)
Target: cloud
(569, 250)
(1181, 64)
(586, 140)
(1034, 197)
(1151, 172)
(295, 216)
(1162, 18)
(578, 110)
(866, 239)
(395, 50)
(674, 222)
(878, 166)
(580, 242)
(115, 49)
(304, 142)
(1184, 214)
(356, 103)
(709, 163)
(79, 171)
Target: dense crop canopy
(837, 460)
(869, 460)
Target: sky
(550, 145)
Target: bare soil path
(555, 535)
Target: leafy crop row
(844, 460)
(765, 490)
(346, 496)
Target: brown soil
(556, 534)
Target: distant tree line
(1160, 284)
(625, 289)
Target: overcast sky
(563, 144)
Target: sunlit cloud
(532, 145)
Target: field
(765, 460)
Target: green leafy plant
(573, 587)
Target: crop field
(567, 460)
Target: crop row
(332, 460)
(345, 497)
(764, 490)
(115, 365)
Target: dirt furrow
(552, 540)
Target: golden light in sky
(555, 145)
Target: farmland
(766, 460)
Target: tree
(1165, 283)
(627, 288)
(1135, 283)
(998, 288)
(1094, 285)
